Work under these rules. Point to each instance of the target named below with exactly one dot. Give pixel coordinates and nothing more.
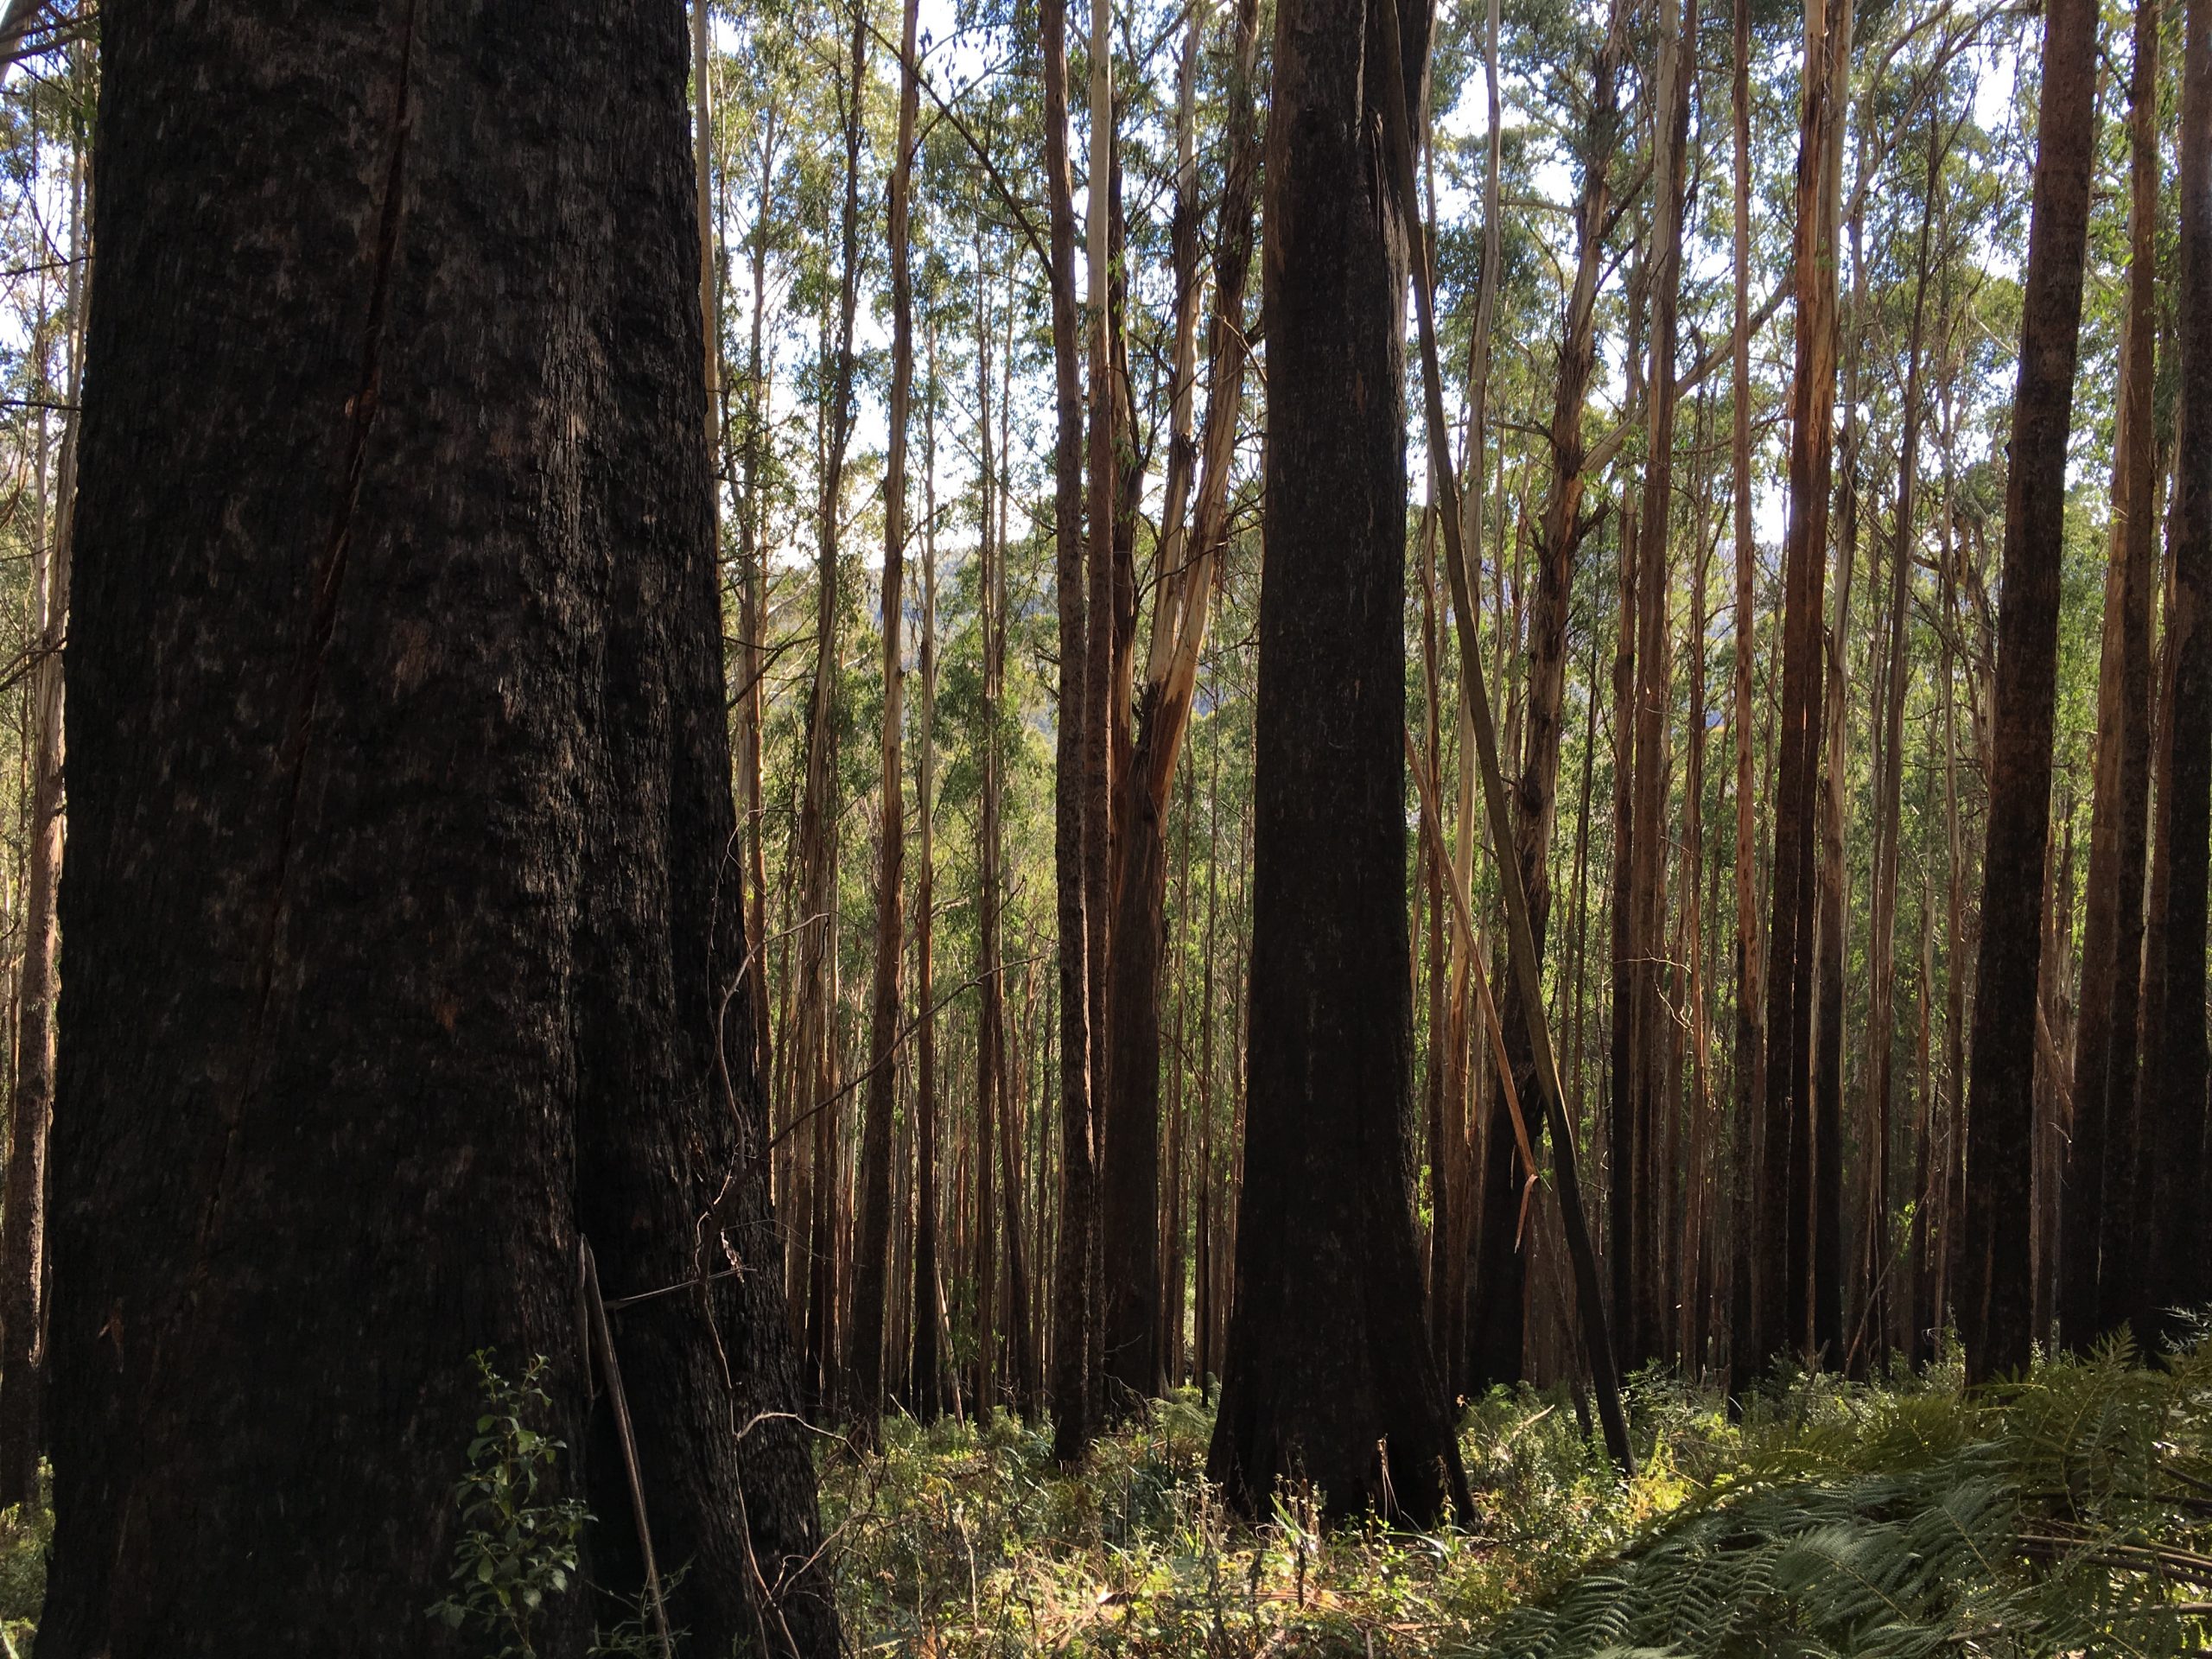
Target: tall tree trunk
(1831, 897)
(1621, 1166)
(1190, 550)
(1690, 1318)
(1128, 1283)
(1522, 954)
(1072, 1302)
(2098, 1183)
(926, 1385)
(1651, 1020)
(1072, 1428)
(1205, 1353)
(1428, 889)
(2174, 1071)
(1497, 1290)
(1940, 1191)
(1750, 1068)
(1329, 1377)
(815, 1063)
(23, 1198)
(434, 985)
(1996, 1301)
(872, 1264)
(1881, 1016)
(990, 998)
(1781, 1223)
(751, 708)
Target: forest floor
(2070, 1514)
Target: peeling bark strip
(378, 997)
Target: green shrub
(516, 1550)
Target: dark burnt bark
(2175, 1067)
(1781, 1253)
(1995, 1298)
(1643, 1333)
(403, 918)
(2098, 1179)
(1329, 1377)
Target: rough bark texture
(2100, 1165)
(2174, 1070)
(1643, 1331)
(1995, 1299)
(1329, 1377)
(403, 922)
(1781, 1246)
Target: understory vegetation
(2070, 1514)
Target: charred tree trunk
(1329, 1377)
(1996, 1301)
(1641, 1324)
(2098, 1182)
(1782, 1218)
(2174, 1071)
(441, 975)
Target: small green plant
(516, 1548)
(25, 1535)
